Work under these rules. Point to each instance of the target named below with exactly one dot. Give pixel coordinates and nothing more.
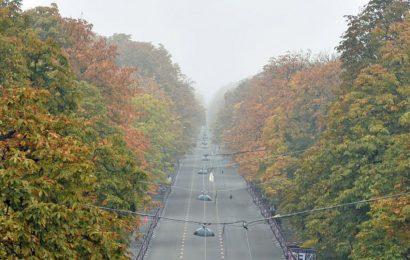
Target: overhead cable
(277, 216)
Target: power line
(187, 189)
(309, 211)
(265, 149)
(269, 157)
(231, 189)
(240, 152)
(255, 159)
(141, 214)
(277, 216)
(196, 190)
(247, 151)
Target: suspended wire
(231, 189)
(240, 152)
(309, 211)
(203, 190)
(266, 157)
(142, 214)
(321, 131)
(257, 159)
(263, 149)
(253, 222)
(246, 151)
(277, 216)
(273, 156)
(196, 190)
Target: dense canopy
(79, 129)
(89, 123)
(332, 130)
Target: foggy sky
(217, 42)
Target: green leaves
(336, 139)
(76, 129)
(44, 175)
(163, 80)
(365, 124)
(51, 127)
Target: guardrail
(256, 195)
(155, 219)
(148, 235)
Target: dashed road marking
(220, 228)
(181, 256)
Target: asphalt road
(175, 240)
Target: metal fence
(148, 235)
(274, 225)
(146, 238)
(289, 251)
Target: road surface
(175, 240)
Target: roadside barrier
(146, 239)
(289, 252)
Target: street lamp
(204, 231)
(204, 197)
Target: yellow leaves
(238, 106)
(270, 192)
(404, 119)
(49, 162)
(376, 79)
(311, 243)
(396, 51)
(404, 90)
(388, 101)
(359, 109)
(378, 128)
(399, 206)
(53, 134)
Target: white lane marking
(220, 231)
(187, 213)
(204, 215)
(249, 246)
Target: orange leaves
(398, 206)
(62, 139)
(137, 142)
(285, 102)
(94, 61)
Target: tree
(333, 136)
(154, 67)
(47, 174)
(367, 32)
(362, 155)
(163, 129)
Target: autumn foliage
(333, 130)
(74, 135)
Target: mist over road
(173, 240)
